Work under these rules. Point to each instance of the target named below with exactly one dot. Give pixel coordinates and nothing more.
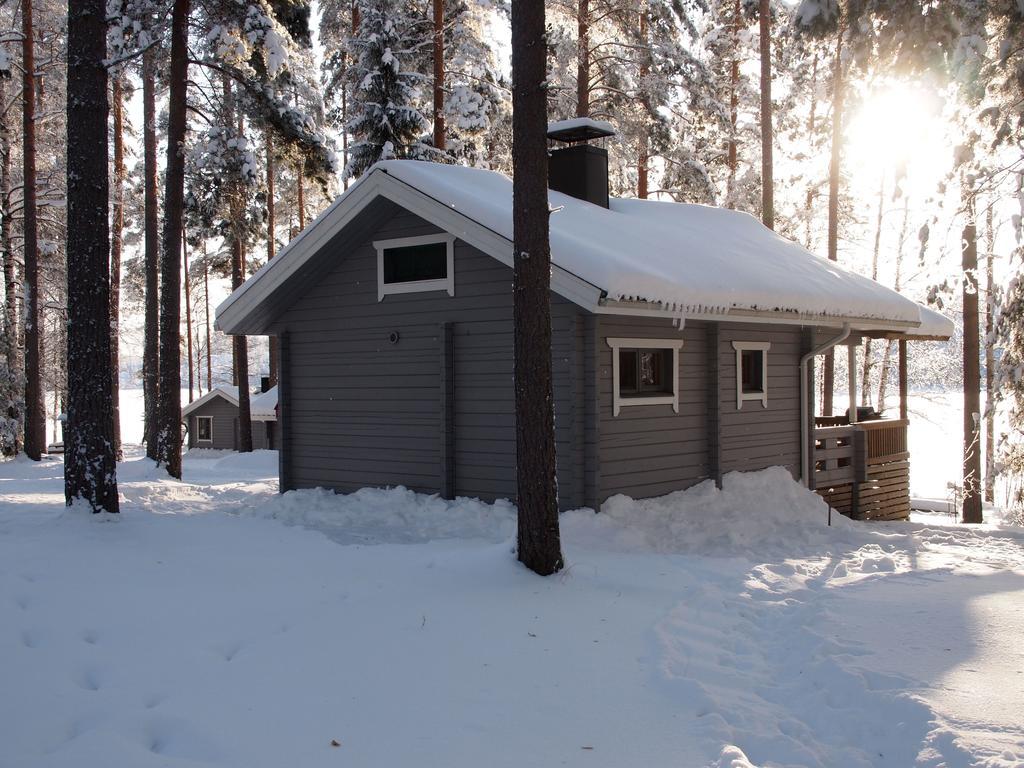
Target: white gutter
(804, 395)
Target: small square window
(645, 372)
(204, 429)
(751, 371)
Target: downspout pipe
(805, 447)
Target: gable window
(751, 372)
(204, 429)
(413, 264)
(645, 372)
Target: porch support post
(851, 356)
(903, 378)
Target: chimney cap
(579, 129)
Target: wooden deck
(863, 470)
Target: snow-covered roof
(579, 129)
(637, 256)
(262, 406)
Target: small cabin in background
(212, 420)
(683, 341)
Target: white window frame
(618, 401)
(415, 286)
(198, 438)
(741, 396)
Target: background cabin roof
(262, 405)
(681, 259)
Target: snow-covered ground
(215, 623)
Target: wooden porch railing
(863, 469)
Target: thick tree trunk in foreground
(116, 248)
(972, 372)
(439, 138)
(644, 150)
(828, 373)
(151, 344)
(90, 463)
(734, 101)
(169, 426)
(240, 346)
(35, 408)
(767, 134)
(538, 537)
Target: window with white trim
(204, 429)
(413, 264)
(645, 372)
(751, 372)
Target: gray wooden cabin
(392, 377)
(212, 420)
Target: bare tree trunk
(734, 101)
(240, 344)
(301, 194)
(35, 409)
(90, 461)
(828, 367)
(439, 137)
(271, 341)
(767, 134)
(865, 389)
(11, 314)
(812, 119)
(538, 537)
(169, 433)
(151, 332)
(206, 295)
(582, 61)
(972, 368)
(990, 361)
(116, 248)
(883, 377)
(643, 152)
(188, 316)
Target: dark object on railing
(864, 413)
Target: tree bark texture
(90, 463)
(643, 151)
(206, 297)
(169, 426)
(990, 361)
(767, 134)
(972, 370)
(116, 249)
(271, 247)
(151, 331)
(828, 367)
(35, 409)
(240, 346)
(188, 317)
(734, 101)
(12, 326)
(439, 137)
(865, 389)
(582, 61)
(538, 535)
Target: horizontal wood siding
(756, 437)
(649, 450)
(367, 412)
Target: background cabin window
(645, 372)
(204, 429)
(412, 264)
(751, 372)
